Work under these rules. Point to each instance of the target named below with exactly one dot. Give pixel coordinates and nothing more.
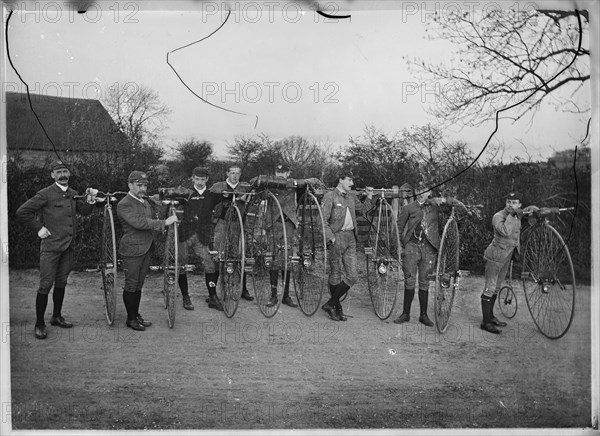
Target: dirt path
(290, 371)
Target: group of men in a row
(52, 213)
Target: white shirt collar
(200, 191)
(141, 200)
(63, 188)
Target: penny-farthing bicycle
(231, 255)
(448, 276)
(309, 252)
(548, 275)
(108, 254)
(265, 239)
(384, 265)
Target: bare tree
(507, 57)
(137, 111)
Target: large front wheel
(108, 265)
(447, 277)
(231, 260)
(309, 255)
(171, 272)
(548, 280)
(384, 268)
(266, 251)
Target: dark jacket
(427, 214)
(334, 207)
(138, 226)
(56, 211)
(197, 215)
(224, 200)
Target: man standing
(287, 200)
(341, 232)
(418, 226)
(232, 183)
(56, 228)
(507, 231)
(136, 244)
(195, 233)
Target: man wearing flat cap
(51, 213)
(340, 206)
(195, 234)
(507, 231)
(420, 240)
(288, 203)
(136, 245)
(222, 190)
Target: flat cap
(406, 187)
(200, 172)
(57, 164)
(513, 196)
(138, 177)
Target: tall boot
(493, 319)
(340, 291)
(41, 302)
(138, 317)
(486, 309)
(273, 278)
(409, 294)
(287, 300)
(423, 301)
(58, 296)
(329, 306)
(183, 286)
(211, 284)
(130, 301)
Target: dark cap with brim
(138, 177)
(513, 196)
(57, 164)
(200, 172)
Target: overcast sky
(291, 68)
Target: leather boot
(487, 325)
(493, 319)
(409, 294)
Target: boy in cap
(195, 234)
(232, 183)
(56, 227)
(420, 239)
(136, 215)
(287, 200)
(507, 231)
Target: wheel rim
(447, 277)
(507, 302)
(108, 266)
(171, 273)
(384, 272)
(309, 260)
(548, 281)
(266, 249)
(231, 263)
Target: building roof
(73, 124)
